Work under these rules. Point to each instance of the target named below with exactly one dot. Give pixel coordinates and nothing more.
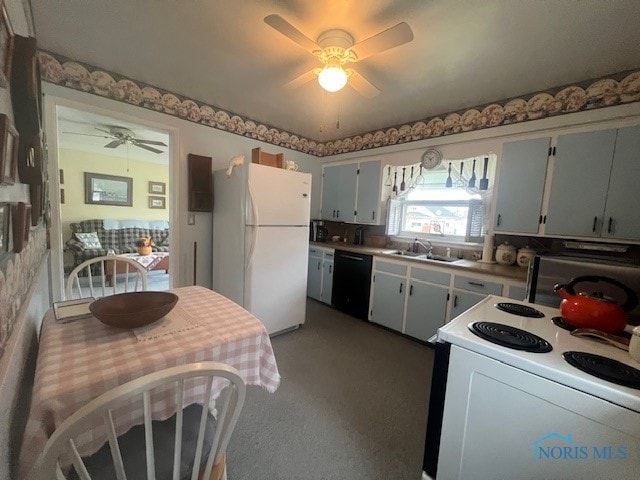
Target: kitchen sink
(422, 256)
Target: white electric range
(501, 411)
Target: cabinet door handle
(400, 287)
(499, 220)
(373, 215)
(337, 213)
(455, 301)
(318, 265)
(333, 215)
(610, 225)
(595, 221)
(411, 290)
(476, 284)
(330, 267)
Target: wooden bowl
(133, 310)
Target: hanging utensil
(472, 180)
(395, 183)
(402, 184)
(387, 183)
(449, 182)
(419, 178)
(461, 173)
(484, 181)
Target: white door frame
(51, 104)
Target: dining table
(80, 360)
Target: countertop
(511, 272)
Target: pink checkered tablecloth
(79, 361)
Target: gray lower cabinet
(388, 300)
(320, 274)
(463, 300)
(314, 278)
(426, 309)
(327, 281)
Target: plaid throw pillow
(89, 240)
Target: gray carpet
(352, 404)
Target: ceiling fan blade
(114, 144)
(302, 79)
(291, 32)
(151, 142)
(389, 38)
(87, 134)
(151, 149)
(363, 86)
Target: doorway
(112, 176)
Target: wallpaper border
(603, 92)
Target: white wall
(186, 137)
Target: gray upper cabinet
(523, 170)
(351, 188)
(368, 201)
(330, 182)
(622, 211)
(581, 171)
(347, 185)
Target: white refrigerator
(261, 242)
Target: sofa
(117, 235)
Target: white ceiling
(464, 53)
(78, 130)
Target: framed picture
(158, 188)
(102, 189)
(6, 46)
(5, 233)
(157, 202)
(8, 150)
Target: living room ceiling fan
(121, 136)
(336, 48)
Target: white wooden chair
(107, 267)
(149, 447)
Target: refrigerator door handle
(254, 235)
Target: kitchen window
(441, 205)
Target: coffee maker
(359, 236)
(317, 231)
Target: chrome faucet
(417, 243)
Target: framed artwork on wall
(8, 151)
(6, 46)
(158, 188)
(157, 202)
(102, 189)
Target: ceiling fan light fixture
(332, 78)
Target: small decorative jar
(506, 254)
(525, 256)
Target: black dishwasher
(351, 283)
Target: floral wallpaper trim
(16, 277)
(588, 95)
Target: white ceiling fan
(121, 136)
(335, 48)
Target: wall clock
(431, 158)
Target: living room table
(80, 360)
(154, 261)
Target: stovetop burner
(519, 309)
(510, 337)
(604, 368)
(560, 322)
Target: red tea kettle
(595, 310)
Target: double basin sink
(421, 256)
